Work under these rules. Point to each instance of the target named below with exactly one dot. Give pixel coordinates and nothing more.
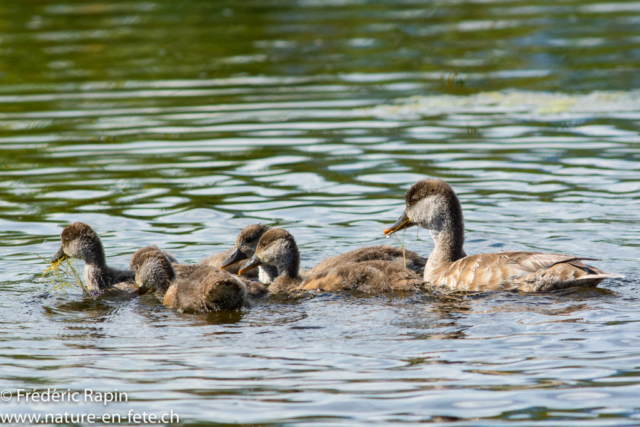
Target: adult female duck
(432, 204)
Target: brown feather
(414, 261)
(526, 271)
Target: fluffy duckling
(181, 271)
(278, 248)
(187, 288)
(432, 204)
(154, 269)
(249, 237)
(81, 242)
(245, 248)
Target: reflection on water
(179, 123)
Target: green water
(179, 123)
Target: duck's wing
(530, 262)
(560, 272)
(526, 271)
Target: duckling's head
(431, 204)
(277, 248)
(246, 244)
(153, 269)
(81, 242)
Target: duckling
(432, 204)
(153, 269)
(156, 278)
(245, 248)
(192, 288)
(278, 248)
(248, 240)
(81, 242)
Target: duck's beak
(233, 257)
(141, 290)
(402, 223)
(59, 256)
(253, 263)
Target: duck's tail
(587, 281)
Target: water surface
(179, 123)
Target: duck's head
(431, 204)
(153, 269)
(277, 248)
(246, 244)
(81, 242)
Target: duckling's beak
(59, 256)
(402, 223)
(233, 257)
(141, 290)
(253, 263)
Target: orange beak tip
(388, 231)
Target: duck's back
(394, 254)
(206, 289)
(254, 288)
(183, 271)
(525, 271)
(371, 277)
